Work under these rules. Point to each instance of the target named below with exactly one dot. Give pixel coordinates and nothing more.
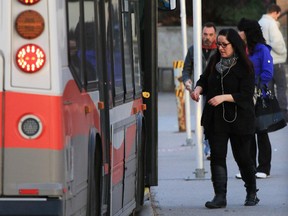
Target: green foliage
(221, 12)
(232, 11)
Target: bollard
(180, 94)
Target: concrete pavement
(180, 193)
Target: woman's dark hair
(239, 49)
(253, 33)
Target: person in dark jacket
(228, 83)
(208, 49)
(259, 54)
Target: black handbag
(269, 116)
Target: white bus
(78, 92)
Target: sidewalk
(179, 192)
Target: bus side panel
(117, 168)
(77, 186)
(130, 166)
(80, 115)
(33, 163)
(48, 109)
(1, 116)
(124, 158)
(26, 170)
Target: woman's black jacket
(240, 84)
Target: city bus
(78, 92)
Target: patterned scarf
(225, 63)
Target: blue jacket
(263, 63)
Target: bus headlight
(30, 127)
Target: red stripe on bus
(80, 121)
(47, 108)
(61, 117)
(1, 119)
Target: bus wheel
(94, 180)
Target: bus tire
(94, 176)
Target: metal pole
(187, 94)
(197, 41)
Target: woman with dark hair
(228, 83)
(259, 54)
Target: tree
(221, 12)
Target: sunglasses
(223, 45)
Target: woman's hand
(195, 94)
(215, 101)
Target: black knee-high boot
(219, 180)
(251, 197)
(248, 176)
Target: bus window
(117, 53)
(135, 48)
(108, 48)
(90, 42)
(74, 39)
(82, 39)
(127, 44)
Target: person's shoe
(238, 176)
(219, 201)
(251, 199)
(261, 175)
(208, 156)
